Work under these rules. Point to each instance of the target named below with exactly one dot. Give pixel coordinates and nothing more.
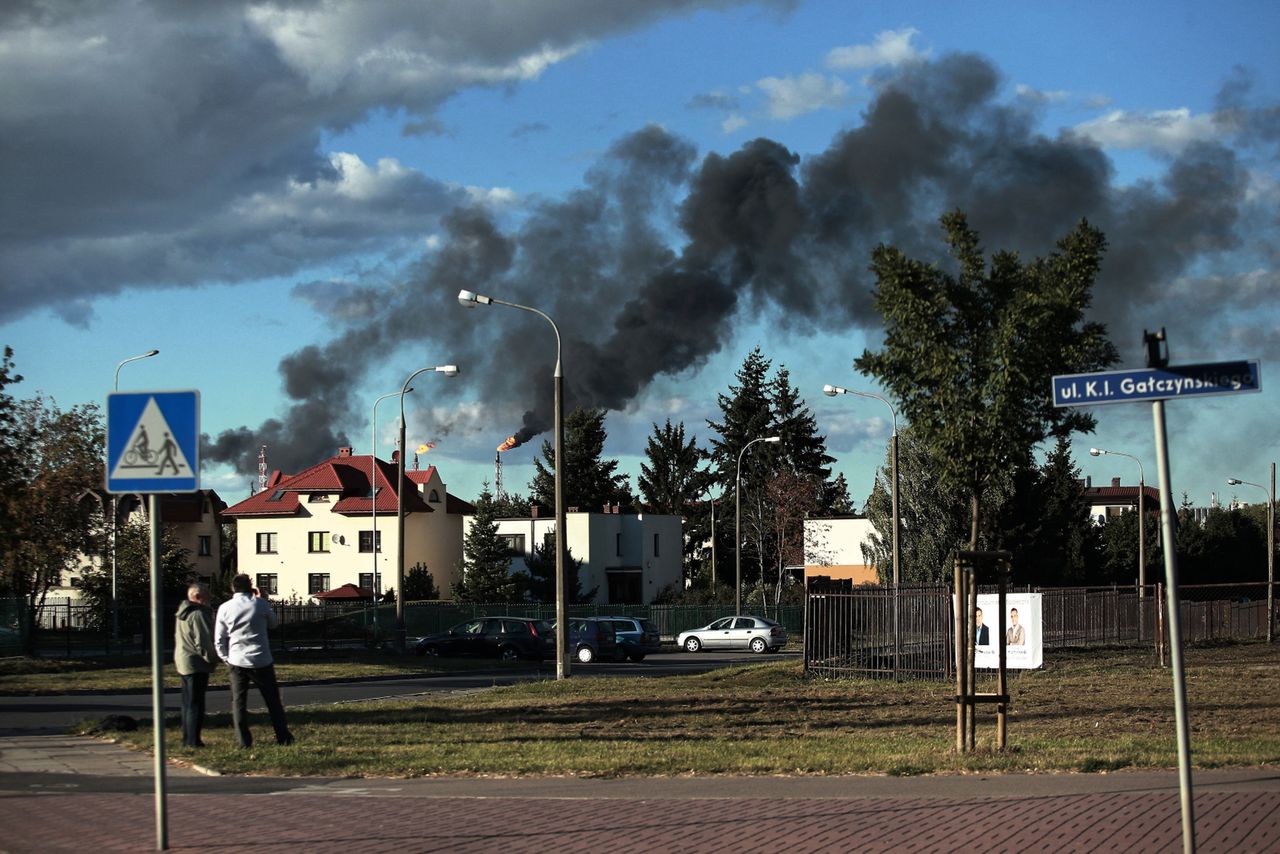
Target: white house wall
(593, 539)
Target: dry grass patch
(1085, 711)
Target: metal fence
(852, 631)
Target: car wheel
(586, 654)
(509, 653)
(692, 644)
(637, 656)
(432, 651)
(758, 645)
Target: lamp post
(115, 605)
(1142, 516)
(737, 522)
(832, 391)
(448, 371)
(373, 493)
(1271, 547)
(470, 299)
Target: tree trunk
(974, 501)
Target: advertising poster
(1022, 636)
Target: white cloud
(733, 123)
(1167, 131)
(794, 96)
(1041, 96)
(891, 47)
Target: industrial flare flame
(511, 442)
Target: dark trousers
(194, 686)
(265, 680)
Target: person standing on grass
(194, 658)
(240, 636)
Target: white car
(754, 633)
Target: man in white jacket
(240, 636)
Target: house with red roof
(1108, 501)
(335, 524)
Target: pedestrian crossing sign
(153, 441)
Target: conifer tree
(590, 481)
(485, 570)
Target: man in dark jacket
(194, 657)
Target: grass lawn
(1084, 711)
(28, 676)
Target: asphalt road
(55, 713)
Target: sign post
(1160, 382)
(153, 447)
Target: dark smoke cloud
(762, 231)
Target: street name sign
(1167, 383)
(153, 441)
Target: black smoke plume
(764, 232)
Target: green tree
(803, 451)
(969, 357)
(420, 584)
(672, 482)
(61, 456)
(10, 455)
(510, 505)
(746, 414)
(1048, 527)
(934, 521)
(133, 579)
(590, 481)
(542, 575)
(485, 569)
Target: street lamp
(737, 522)
(115, 605)
(832, 391)
(448, 371)
(471, 299)
(1142, 515)
(373, 491)
(1271, 547)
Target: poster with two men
(1023, 640)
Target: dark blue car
(637, 636)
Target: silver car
(754, 633)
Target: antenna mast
(262, 468)
(497, 477)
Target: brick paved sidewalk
(69, 794)
(327, 823)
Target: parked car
(507, 638)
(592, 638)
(638, 636)
(754, 633)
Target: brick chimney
(1115, 482)
(344, 452)
(395, 457)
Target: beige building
(315, 531)
(629, 558)
(834, 547)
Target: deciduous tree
(969, 356)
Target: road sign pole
(1175, 629)
(157, 676)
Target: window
(318, 498)
(514, 543)
(75, 581)
(367, 541)
(655, 545)
(318, 542)
(267, 543)
(268, 583)
(317, 582)
(549, 541)
(206, 545)
(277, 495)
(434, 497)
(367, 581)
(618, 544)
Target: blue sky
(284, 199)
